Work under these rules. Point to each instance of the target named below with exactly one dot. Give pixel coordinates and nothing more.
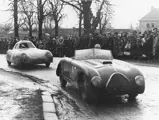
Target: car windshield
(93, 54)
(24, 45)
(30, 45)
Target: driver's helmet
(97, 46)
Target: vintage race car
(95, 73)
(24, 52)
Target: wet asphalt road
(71, 107)
(20, 98)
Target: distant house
(150, 21)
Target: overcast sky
(126, 12)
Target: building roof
(153, 15)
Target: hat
(54, 39)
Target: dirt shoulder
(20, 99)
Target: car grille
(118, 84)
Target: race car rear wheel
(9, 63)
(132, 96)
(88, 94)
(47, 64)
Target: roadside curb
(49, 110)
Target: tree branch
(72, 5)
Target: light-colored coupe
(24, 52)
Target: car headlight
(48, 54)
(24, 57)
(140, 80)
(96, 81)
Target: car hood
(108, 67)
(114, 64)
(97, 63)
(34, 52)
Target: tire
(47, 64)
(133, 96)
(63, 82)
(88, 94)
(9, 63)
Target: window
(152, 25)
(148, 25)
(24, 45)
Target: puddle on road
(67, 109)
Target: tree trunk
(40, 30)
(80, 24)
(86, 10)
(100, 28)
(97, 19)
(56, 28)
(16, 27)
(40, 19)
(30, 31)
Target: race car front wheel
(47, 64)
(9, 63)
(132, 96)
(63, 82)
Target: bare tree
(84, 7)
(91, 22)
(103, 15)
(6, 27)
(48, 24)
(105, 22)
(27, 10)
(16, 33)
(14, 9)
(41, 15)
(56, 8)
(80, 16)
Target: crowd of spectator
(132, 43)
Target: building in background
(150, 21)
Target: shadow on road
(31, 67)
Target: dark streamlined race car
(24, 52)
(94, 72)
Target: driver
(22, 46)
(97, 46)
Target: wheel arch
(58, 69)
(88, 72)
(79, 76)
(90, 91)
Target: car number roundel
(73, 68)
